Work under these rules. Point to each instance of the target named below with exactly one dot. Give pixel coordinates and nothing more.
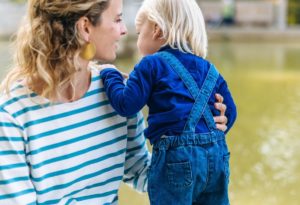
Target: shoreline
(247, 34)
(233, 33)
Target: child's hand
(104, 66)
(100, 67)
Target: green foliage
(293, 12)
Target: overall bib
(191, 168)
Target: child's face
(149, 38)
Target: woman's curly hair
(48, 44)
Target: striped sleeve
(15, 184)
(137, 155)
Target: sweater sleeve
(137, 155)
(127, 99)
(15, 184)
(231, 111)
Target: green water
(265, 148)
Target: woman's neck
(70, 92)
(77, 88)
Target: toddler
(190, 161)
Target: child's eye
(119, 20)
(137, 33)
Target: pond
(264, 79)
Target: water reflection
(256, 55)
(264, 79)
(264, 143)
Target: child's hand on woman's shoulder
(100, 67)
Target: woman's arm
(227, 107)
(138, 158)
(15, 184)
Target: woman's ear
(157, 32)
(84, 28)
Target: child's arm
(130, 98)
(231, 111)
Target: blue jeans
(187, 170)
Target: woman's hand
(221, 120)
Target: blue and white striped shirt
(68, 153)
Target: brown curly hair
(48, 44)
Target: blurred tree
(293, 12)
(228, 12)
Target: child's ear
(157, 32)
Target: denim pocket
(179, 174)
(226, 165)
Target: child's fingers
(104, 66)
(100, 67)
(125, 75)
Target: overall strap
(201, 96)
(200, 106)
(185, 76)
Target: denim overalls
(192, 168)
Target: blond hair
(48, 44)
(181, 22)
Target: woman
(60, 140)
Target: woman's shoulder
(16, 96)
(15, 90)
